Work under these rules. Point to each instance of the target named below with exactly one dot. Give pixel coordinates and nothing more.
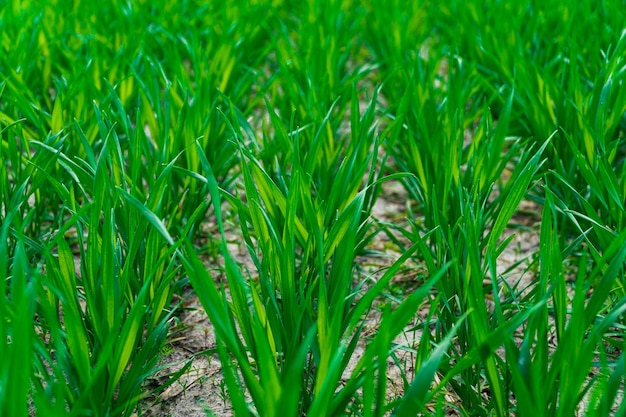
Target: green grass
(127, 126)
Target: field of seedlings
(319, 208)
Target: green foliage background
(127, 125)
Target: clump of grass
(301, 321)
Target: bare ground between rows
(201, 391)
